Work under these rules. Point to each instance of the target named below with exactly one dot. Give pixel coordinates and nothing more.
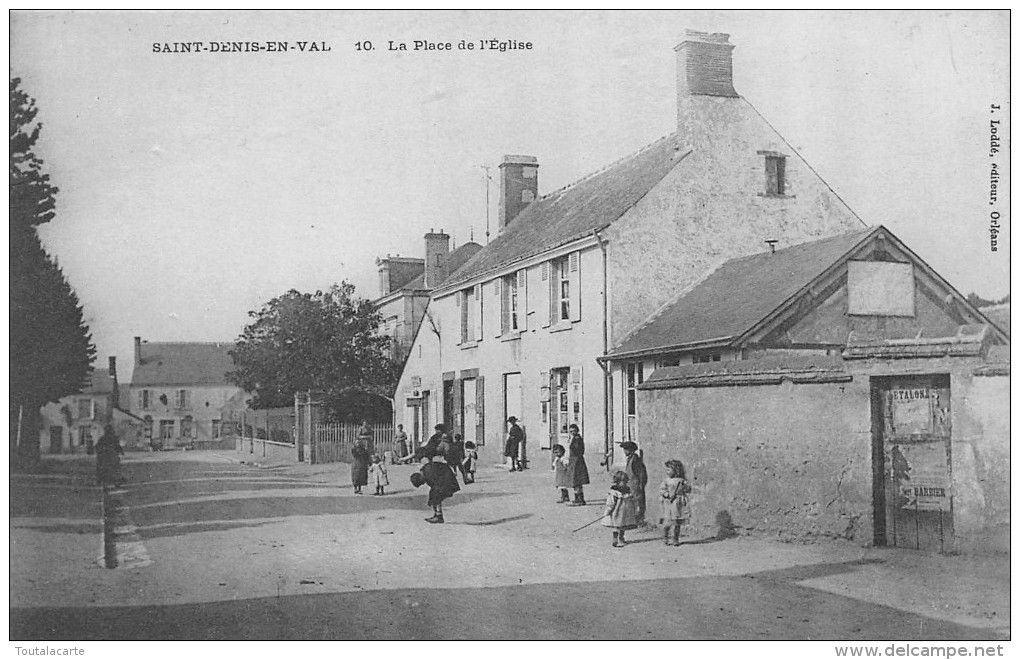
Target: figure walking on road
(441, 481)
(619, 513)
(514, 437)
(359, 465)
(108, 453)
(673, 493)
(637, 475)
(578, 467)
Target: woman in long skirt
(360, 457)
(578, 468)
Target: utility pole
(487, 180)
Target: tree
(326, 341)
(50, 345)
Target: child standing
(673, 493)
(470, 462)
(377, 475)
(561, 465)
(620, 513)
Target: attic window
(706, 357)
(775, 175)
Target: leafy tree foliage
(326, 341)
(51, 347)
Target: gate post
(313, 417)
(300, 424)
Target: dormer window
(775, 174)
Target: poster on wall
(921, 474)
(911, 411)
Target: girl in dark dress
(360, 457)
(578, 468)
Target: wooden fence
(333, 442)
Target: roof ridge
(605, 167)
(812, 242)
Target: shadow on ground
(733, 608)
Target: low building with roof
(838, 388)
(517, 329)
(180, 389)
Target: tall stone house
(179, 390)
(405, 284)
(518, 329)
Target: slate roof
(766, 371)
(735, 297)
(575, 211)
(183, 363)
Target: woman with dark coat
(578, 469)
(360, 456)
(637, 476)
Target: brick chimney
(138, 351)
(704, 65)
(437, 257)
(115, 395)
(518, 186)
(384, 275)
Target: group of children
(622, 505)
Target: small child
(620, 513)
(377, 475)
(673, 493)
(470, 462)
(561, 464)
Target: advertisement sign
(911, 411)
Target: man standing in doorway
(514, 437)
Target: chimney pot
(437, 252)
(518, 186)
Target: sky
(195, 187)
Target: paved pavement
(205, 547)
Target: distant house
(179, 390)
(74, 423)
(837, 388)
(405, 284)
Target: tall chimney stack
(704, 65)
(437, 256)
(518, 186)
(115, 395)
(138, 351)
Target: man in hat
(514, 437)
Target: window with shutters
(215, 428)
(470, 314)
(85, 435)
(84, 408)
(166, 429)
(559, 290)
(187, 427)
(775, 174)
(144, 399)
(510, 316)
(182, 400)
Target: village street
(206, 547)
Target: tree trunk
(26, 453)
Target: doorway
(912, 461)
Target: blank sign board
(880, 288)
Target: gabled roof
(183, 363)
(739, 294)
(575, 211)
